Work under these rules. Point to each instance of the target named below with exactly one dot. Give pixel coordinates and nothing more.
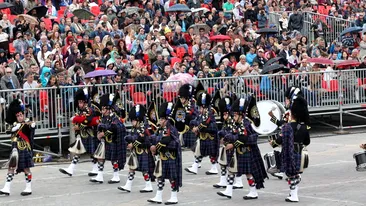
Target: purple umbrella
(99, 73)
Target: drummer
(291, 94)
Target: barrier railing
(330, 92)
(334, 25)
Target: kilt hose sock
(75, 159)
(28, 177)
(223, 170)
(115, 166)
(131, 176)
(230, 179)
(161, 184)
(9, 177)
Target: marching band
(157, 135)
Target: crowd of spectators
(142, 41)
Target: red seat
(95, 10)
(324, 84)
(48, 23)
(333, 86)
(174, 60)
(139, 98)
(43, 96)
(11, 48)
(359, 81)
(190, 51)
(180, 52)
(210, 90)
(169, 96)
(60, 13)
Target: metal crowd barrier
(334, 25)
(332, 92)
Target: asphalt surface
(331, 179)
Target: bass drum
(264, 107)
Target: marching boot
(222, 183)
(193, 169)
(252, 194)
(94, 171)
(148, 187)
(213, 170)
(28, 189)
(228, 192)
(98, 178)
(68, 171)
(127, 187)
(115, 178)
(6, 189)
(293, 195)
(279, 175)
(158, 197)
(238, 183)
(173, 198)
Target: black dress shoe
(63, 171)
(4, 193)
(152, 201)
(249, 198)
(123, 189)
(235, 188)
(93, 180)
(90, 174)
(25, 193)
(113, 182)
(218, 186)
(171, 203)
(209, 173)
(187, 170)
(223, 195)
(145, 191)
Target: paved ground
(330, 180)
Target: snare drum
(360, 158)
(264, 107)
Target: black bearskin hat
(137, 113)
(199, 90)
(252, 110)
(81, 94)
(299, 110)
(186, 91)
(215, 101)
(204, 100)
(15, 107)
(166, 109)
(239, 106)
(293, 91)
(106, 100)
(225, 105)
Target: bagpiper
(111, 133)
(225, 136)
(294, 139)
(185, 93)
(290, 94)
(139, 143)
(207, 144)
(247, 157)
(85, 122)
(21, 158)
(166, 145)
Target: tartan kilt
(25, 158)
(111, 152)
(146, 162)
(169, 169)
(189, 139)
(251, 162)
(297, 159)
(209, 147)
(90, 143)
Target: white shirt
(218, 57)
(4, 37)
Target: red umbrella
(320, 61)
(343, 64)
(220, 38)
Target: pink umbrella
(176, 81)
(320, 61)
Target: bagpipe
(83, 119)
